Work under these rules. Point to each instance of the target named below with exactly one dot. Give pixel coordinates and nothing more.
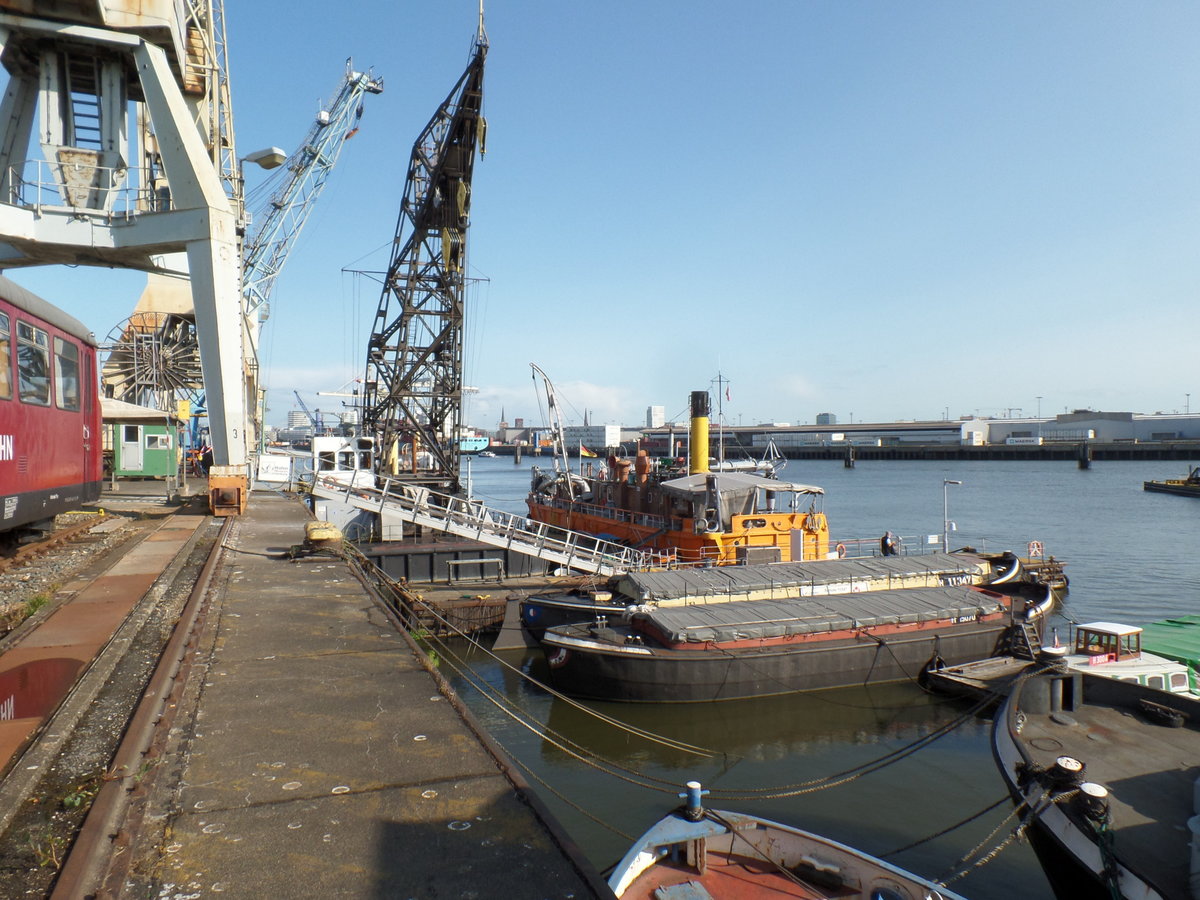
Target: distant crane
(314, 419)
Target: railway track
(105, 640)
(28, 552)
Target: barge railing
(466, 518)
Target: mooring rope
(607, 719)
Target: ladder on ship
(427, 508)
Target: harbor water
(888, 768)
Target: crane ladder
(417, 505)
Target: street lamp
(267, 158)
(946, 482)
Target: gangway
(466, 518)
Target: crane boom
(313, 419)
(307, 170)
(304, 175)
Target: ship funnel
(698, 454)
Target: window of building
(158, 442)
(5, 359)
(33, 364)
(66, 374)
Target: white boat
(700, 853)
(1115, 651)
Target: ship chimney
(698, 455)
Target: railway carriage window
(66, 374)
(5, 359)
(33, 364)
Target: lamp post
(946, 482)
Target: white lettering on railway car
(7, 446)
(10, 507)
(8, 709)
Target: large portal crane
(413, 388)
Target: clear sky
(877, 209)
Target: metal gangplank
(418, 505)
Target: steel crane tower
(84, 77)
(412, 398)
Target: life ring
(841, 550)
(1035, 549)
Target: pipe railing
(472, 519)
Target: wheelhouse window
(33, 364)
(66, 374)
(5, 358)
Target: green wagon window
(33, 364)
(66, 374)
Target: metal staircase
(471, 519)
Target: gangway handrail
(471, 518)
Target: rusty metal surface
(93, 867)
(73, 632)
(315, 751)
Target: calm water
(1131, 556)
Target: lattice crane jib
(414, 377)
(305, 172)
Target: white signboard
(274, 468)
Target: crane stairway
(466, 518)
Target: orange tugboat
(701, 515)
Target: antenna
(481, 37)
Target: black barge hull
(596, 669)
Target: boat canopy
(719, 582)
(729, 483)
(754, 619)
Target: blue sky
(877, 209)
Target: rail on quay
(296, 739)
(466, 518)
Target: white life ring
(841, 550)
(1035, 549)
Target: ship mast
(412, 398)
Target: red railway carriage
(51, 458)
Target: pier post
(1085, 456)
(848, 462)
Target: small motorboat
(1115, 650)
(695, 853)
(1105, 771)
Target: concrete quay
(313, 755)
